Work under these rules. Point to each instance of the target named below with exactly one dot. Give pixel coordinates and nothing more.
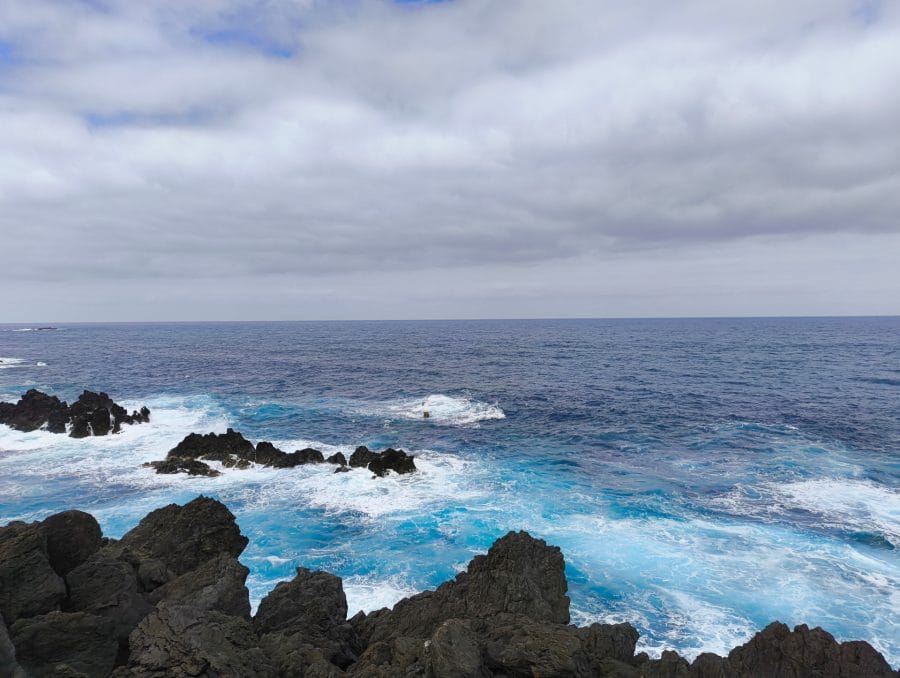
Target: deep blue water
(703, 477)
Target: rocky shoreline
(93, 414)
(233, 450)
(169, 599)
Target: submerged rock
(92, 414)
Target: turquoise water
(703, 477)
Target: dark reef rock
(233, 450)
(337, 458)
(169, 599)
(92, 414)
(392, 460)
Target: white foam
(6, 363)
(368, 594)
(837, 503)
(442, 409)
(440, 477)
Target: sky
(303, 159)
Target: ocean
(702, 476)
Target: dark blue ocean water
(703, 477)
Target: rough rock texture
(72, 538)
(184, 537)
(337, 458)
(311, 609)
(217, 584)
(392, 460)
(107, 585)
(65, 644)
(92, 414)
(169, 599)
(180, 640)
(519, 574)
(361, 457)
(9, 667)
(28, 584)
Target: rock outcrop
(169, 599)
(233, 450)
(92, 414)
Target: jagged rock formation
(92, 414)
(233, 450)
(169, 599)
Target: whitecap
(367, 594)
(6, 363)
(442, 409)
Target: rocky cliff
(169, 599)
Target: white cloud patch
(289, 145)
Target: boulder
(192, 467)
(778, 651)
(313, 607)
(455, 651)
(185, 537)
(107, 586)
(214, 446)
(337, 458)
(72, 537)
(9, 667)
(392, 460)
(519, 575)
(361, 457)
(65, 644)
(35, 410)
(28, 584)
(217, 584)
(181, 641)
(92, 414)
(520, 646)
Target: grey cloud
(313, 141)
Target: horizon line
(45, 323)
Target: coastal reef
(92, 414)
(169, 599)
(233, 450)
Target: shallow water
(703, 477)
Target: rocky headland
(233, 450)
(93, 414)
(169, 599)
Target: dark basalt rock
(361, 457)
(65, 644)
(183, 465)
(9, 667)
(180, 640)
(392, 460)
(185, 537)
(72, 538)
(92, 414)
(217, 584)
(28, 584)
(34, 410)
(214, 447)
(519, 575)
(169, 599)
(106, 585)
(337, 458)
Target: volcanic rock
(217, 584)
(65, 644)
(72, 538)
(184, 537)
(391, 460)
(337, 458)
(361, 457)
(28, 583)
(92, 414)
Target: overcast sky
(293, 159)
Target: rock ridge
(169, 599)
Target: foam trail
(442, 409)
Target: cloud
(300, 141)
